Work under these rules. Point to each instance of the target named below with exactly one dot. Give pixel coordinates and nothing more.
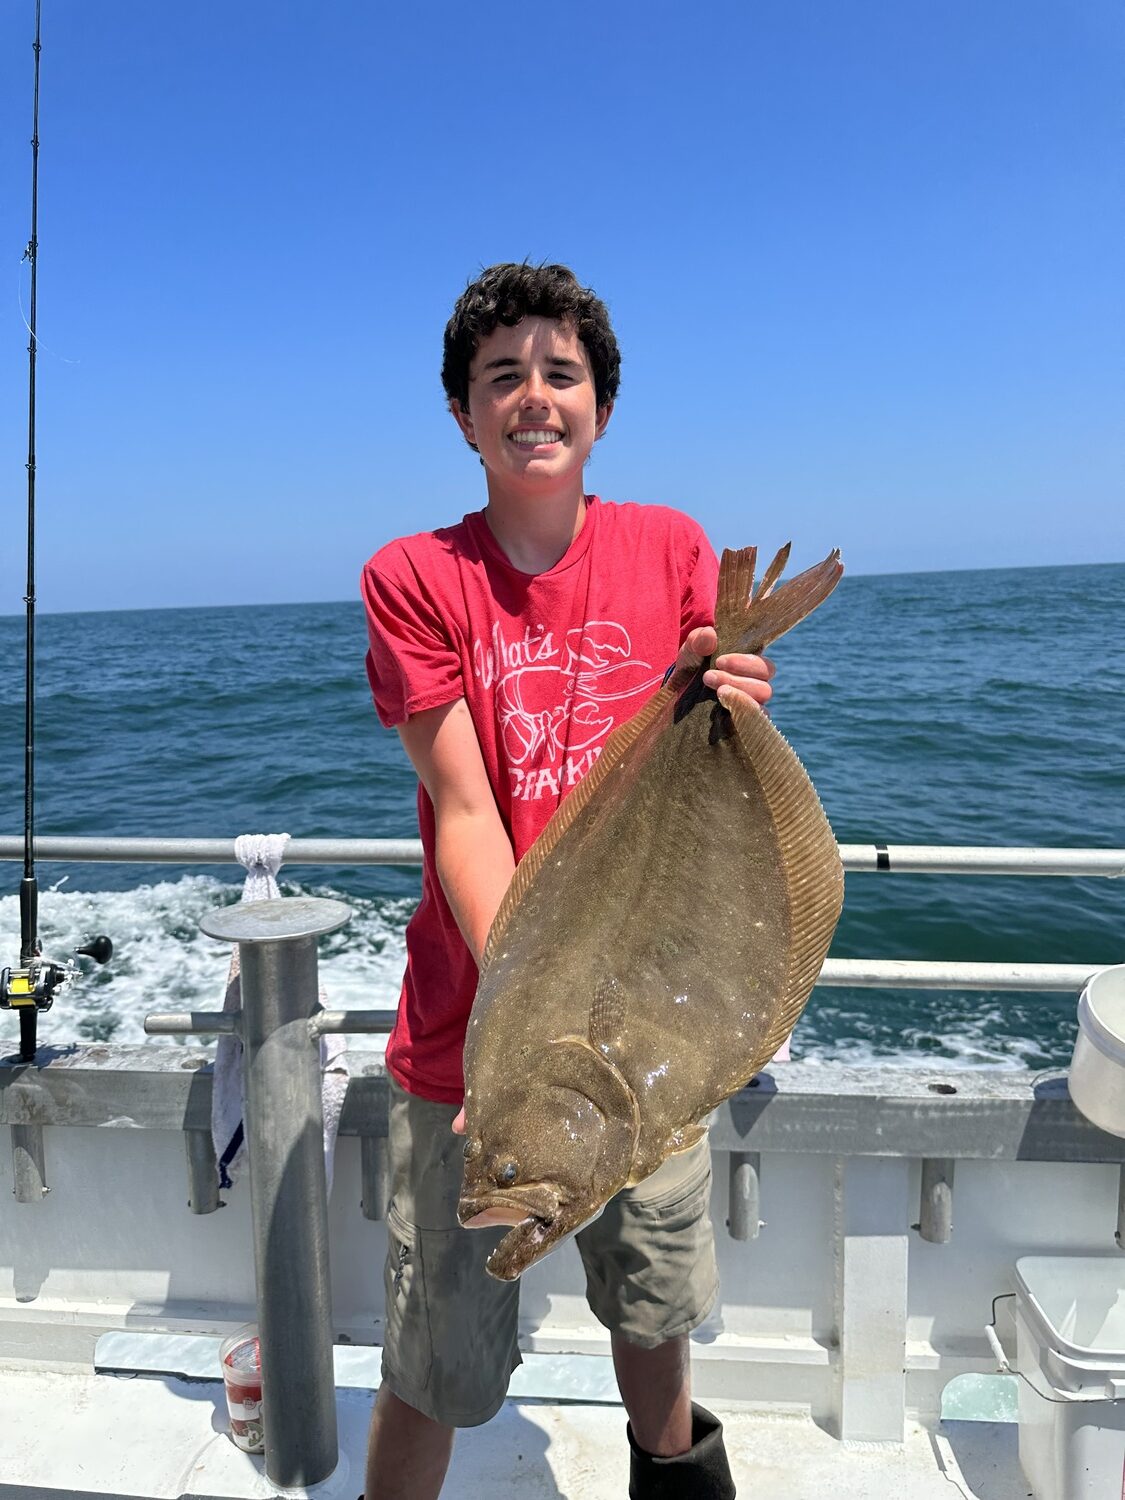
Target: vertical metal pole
(29, 1173)
(935, 1219)
(285, 1144)
(203, 1174)
(744, 1214)
(284, 1124)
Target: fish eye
(508, 1173)
(472, 1148)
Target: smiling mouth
(534, 437)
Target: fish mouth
(539, 1220)
(523, 1245)
(536, 1218)
(485, 1206)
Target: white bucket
(1070, 1349)
(1097, 1070)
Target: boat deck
(76, 1433)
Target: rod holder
(203, 1172)
(192, 1023)
(334, 1022)
(375, 1175)
(1120, 1235)
(288, 1199)
(744, 1213)
(935, 1220)
(29, 1171)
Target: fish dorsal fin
(809, 858)
(751, 626)
(649, 720)
(607, 1014)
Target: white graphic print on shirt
(551, 699)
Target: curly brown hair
(512, 291)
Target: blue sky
(864, 261)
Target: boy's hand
(749, 674)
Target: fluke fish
(656, 945)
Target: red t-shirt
(549, 663)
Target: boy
(505, 650)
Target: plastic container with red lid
(241, 1359)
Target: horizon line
(137, 609)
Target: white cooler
(1070, 1346)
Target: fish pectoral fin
(590, 1072)
(607, 1013)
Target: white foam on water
(982, 1038)
(161, 960)
(964, 1053)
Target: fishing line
(39, 344)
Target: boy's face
(532, 410)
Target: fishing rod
(32, 986)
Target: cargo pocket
(408, 1345)
(666, 1260)
(678, 1191)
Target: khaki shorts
(450, 1344)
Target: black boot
(702, 1473)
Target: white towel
(261, 855)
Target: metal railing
(899, 859)
(865, 973)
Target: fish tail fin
(747, 619)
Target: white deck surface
(83, 1434)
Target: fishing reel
(33, 986)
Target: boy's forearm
(474, 863)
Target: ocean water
(983, 707)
